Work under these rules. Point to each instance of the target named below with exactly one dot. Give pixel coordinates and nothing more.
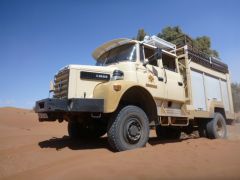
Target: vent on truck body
(61, 82)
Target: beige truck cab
(136, 85)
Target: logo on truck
(94, 76)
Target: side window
(169, 62)
(149, 52)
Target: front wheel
(128, 129)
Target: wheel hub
(220, 129)
(133, 131)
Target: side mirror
(158, 54)
(160, 64)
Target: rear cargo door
(213, 89)
(198, 91)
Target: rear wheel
(128, 129)
(167, 133)
(216, 128)
(87, 130)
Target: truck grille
(61, 82)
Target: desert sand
(33, 150)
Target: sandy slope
(29, 149)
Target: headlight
(117, 75)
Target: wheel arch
(130, 93)
(217, 107)
(141, 97)
(220, 110)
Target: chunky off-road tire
(128, 129)
(91, 130)
(216, 128)
(169, 133)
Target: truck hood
(97, 69)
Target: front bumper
(56, 108)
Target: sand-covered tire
(128, 129)
(91, 130)
(169, 133)
(216, 128)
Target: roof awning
(109, 45)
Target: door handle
(180, 83)
(160, 78)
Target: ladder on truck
(186, 52)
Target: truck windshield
(125, 52)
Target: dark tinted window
(149, 53)
(169, 62)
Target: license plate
(42, 115)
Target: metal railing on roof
(160, 43)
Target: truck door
(173, 78)
(151, 76)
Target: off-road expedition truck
(137, 85)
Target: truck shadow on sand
(101, 143)
(66, 141)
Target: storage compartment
(198, 91)
(208, 88)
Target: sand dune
(33, 150)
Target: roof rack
(183, 40)
(200, 57)
(207, 61)
(160, 43)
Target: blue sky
(37, 38)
